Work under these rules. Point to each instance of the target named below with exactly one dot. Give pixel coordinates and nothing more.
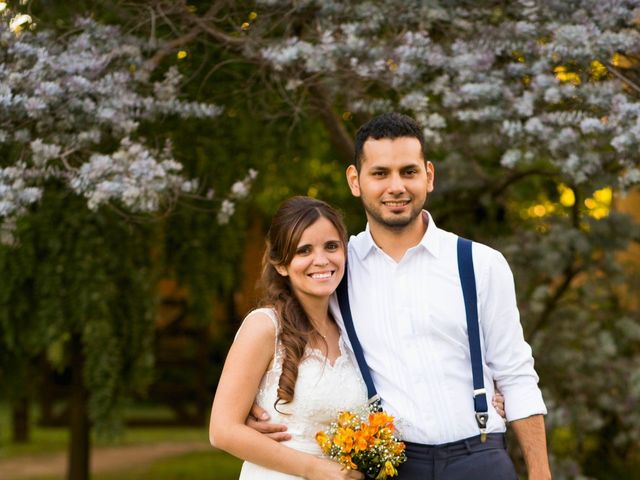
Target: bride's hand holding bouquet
(364, 441)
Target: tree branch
(519, 175)
(340, 138)
(235, 43)
(624, 79)
(185, 39)
(569, 274)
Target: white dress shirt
(410, 319)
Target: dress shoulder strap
(271, 313)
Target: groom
(409, 316)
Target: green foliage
(85, 273)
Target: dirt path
(103, 459)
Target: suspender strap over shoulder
(468, 281)
(345, 310)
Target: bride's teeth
(321, 275)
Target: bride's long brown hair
(293, 217)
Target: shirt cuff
(522, 402)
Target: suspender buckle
(479, 391)
(375, 403)
(481, 419)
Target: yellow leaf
(567, 197)
(603, 196)
(621, 61)
(598, 70)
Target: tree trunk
(78, 468)
(20, 419)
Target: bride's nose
(320, 259)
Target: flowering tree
(72, 111)
(78, 170)
(531, 112)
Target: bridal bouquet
(364, 441)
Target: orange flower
(361, 440)
(344, 418)
(397, 448)
(380, 419)
(344, 439)
(348, 462)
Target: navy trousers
(467, 459)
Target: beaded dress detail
(322, 390)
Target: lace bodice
(322, 390)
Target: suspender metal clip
(482, 418)
(375, 403)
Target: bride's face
(318, 264)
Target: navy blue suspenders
(468, 283)
(345, 310)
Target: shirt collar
(430, 240)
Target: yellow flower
(321, 438)
(387, 471)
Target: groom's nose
(396, 184)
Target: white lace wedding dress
(322, 390)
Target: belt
(467, 445)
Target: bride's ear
(281, 269)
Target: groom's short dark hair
(388, 125)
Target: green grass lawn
(213, 465)
(51, 440)
(55, 439)
(204, 465)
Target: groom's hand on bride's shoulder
(259, 420)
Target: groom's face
(393, 181)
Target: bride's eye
(303, 250)
(332, 246)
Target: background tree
(81, 158)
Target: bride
(289, 357)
